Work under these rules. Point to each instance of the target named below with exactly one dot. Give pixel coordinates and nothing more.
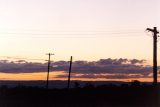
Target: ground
(88, 96)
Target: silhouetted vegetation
(76, 85)
(126, 95)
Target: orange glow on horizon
(54, 76)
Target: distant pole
(155, 32)
(70, 69)
(49, 54)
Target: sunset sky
(88, 30)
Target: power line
(49, 54)
(69, 75)
(21, 58)
(68, 33)
(155, 32)
(91, 30)
(76, 35)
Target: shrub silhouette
(135, 83)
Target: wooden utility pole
(69, 76)
(155, 32)
(49, 54)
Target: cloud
(104, 76)
(112, 66)
(136, 61)
(91, 69)
(21, 66)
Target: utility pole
(155, 32)
(49, 54)
(69, 76)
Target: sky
(86, 29)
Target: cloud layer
(103, 68)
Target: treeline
(125, 95)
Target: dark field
(89, 96)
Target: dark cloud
(112, 66)
(102, 66)
(136, 61)
(21, 66)
(94, 76)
